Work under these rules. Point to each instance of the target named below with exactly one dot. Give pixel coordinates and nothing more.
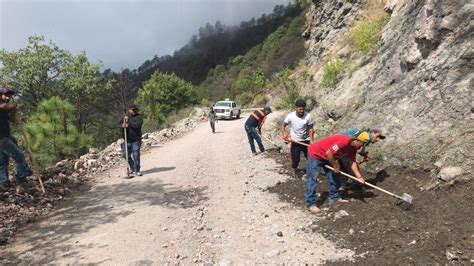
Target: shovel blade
(406, 197)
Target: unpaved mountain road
(202, 199)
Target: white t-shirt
(299, 125)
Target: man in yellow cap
(328, 151)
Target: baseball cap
(363, 136)
(377, 131)
(6, 90)
(267, 109)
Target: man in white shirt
(301, 131)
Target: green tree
(34, 71)
(52, 133)
(83, 83)
(163, 94)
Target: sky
(120, 34)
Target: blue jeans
(133, 155)
(313, 168)
(9, 149)
(253, 135)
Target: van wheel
(238, 115)
(231, 114)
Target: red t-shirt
(339, 145)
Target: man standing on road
(8, 146)
(327, 152)
(132, 122)
(301, 131)
(254, 123)
(212, 119)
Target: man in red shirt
(327, 152)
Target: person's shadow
(158, 169)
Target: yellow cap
(363, 136)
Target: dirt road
(202, 199)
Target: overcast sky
(121, 34)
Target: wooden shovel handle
(365, 183)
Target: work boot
(314, 209)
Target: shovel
(278, 147)
(129, 175)
(405, 197)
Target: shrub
(332, 72)
(366, 33)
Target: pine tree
(52, 133)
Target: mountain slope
(416, 84)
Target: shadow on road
(50, 241)
(158, 169)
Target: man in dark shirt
(212, 119)
(254, 123)
(8, 146)
(132, 122)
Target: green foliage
(52, 134)
(332, 72)
(205, 102)
(34, 71)
(83, 84)
(302, 3)
(292, 93)
(366, 33)
(163, 94)
(248, 84)
(271, 46)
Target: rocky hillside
(416, 84)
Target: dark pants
(133, 155)
(296, 150)
(253, 135)
(213, 125)
(9, 149)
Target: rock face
(417, 86)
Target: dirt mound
(436, 228)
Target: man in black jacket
(254, 123)
(132, 122)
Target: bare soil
(436, 228)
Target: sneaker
(19, 189)
(139, 173)
(295, 173)
(340, 200)
(314, 209)
(254, 153)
